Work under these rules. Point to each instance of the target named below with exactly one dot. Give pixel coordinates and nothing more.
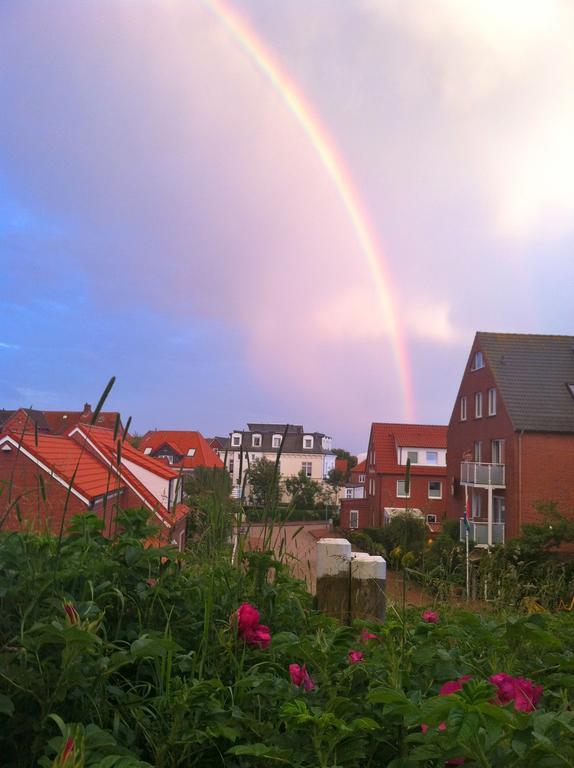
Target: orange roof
(64, 457)
(386, 438)
(181, 442)
(60, 422)
(105, 438)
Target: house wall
(154, 483)
(21, 475)
(461, 436)
(547, 474)
(364, 513)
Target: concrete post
(490, 515)
(349, 585)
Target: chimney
(87, 409)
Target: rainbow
(243, 34)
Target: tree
(351, 460)
(263, 478)
(303, 490)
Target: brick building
(511, 433)
(46, 479)
(54, 422)
(390, 445)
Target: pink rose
(248, 627)
(300, 677)
(521, 691)
(366, 636)
(452, 686)
(355, 657)
(431, 617)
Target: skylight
(191, 452)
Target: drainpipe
(520, 480)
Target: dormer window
(236, 440)
(276, 441)
(147, 451)
(191, 452)
(256, 441)
(477, 361)
(308, 442)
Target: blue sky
(164, 219)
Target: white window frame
(476, 504)
(500, 448)
(276, 441)
(403, 495)
(147, 451)
(431, 519)
(478, 405)
(433, 461)
(477, 451)
(463, 408)
(348, 493)
(256, 441)
(308, 439)
(191, 452)
(498, 509)
(492, 401)
(236, 440)
(307, 468)
(361, 478)
(354, 519)
(477, 361)
(434, 496)
(415, 454)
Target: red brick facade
(538, 467)
(384, 471)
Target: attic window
(571, 389)
(256, 441)
(308, 441)
(477, 361)
(147, 451)
(191, 452)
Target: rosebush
(117, 654)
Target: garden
(114, 653)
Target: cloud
(501, 75)
(4, 345)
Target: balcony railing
(478, 532)
(477, 473)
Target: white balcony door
(498, 509)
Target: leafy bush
(114, 653)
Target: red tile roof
(105, 437)
(182, 441)
(63, 457)
(60, 422)
(386, 438)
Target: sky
(304, 222)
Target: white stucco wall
(154, 483)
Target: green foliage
(145, 667)
(304, 491)
(265, 484)
(351, 460)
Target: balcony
(479, 532)
(482, 475)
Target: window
(371, 486)
(361, 478)
(231, 466)
(354, 518)
(497, 451)
(498, 509)
(435, 489)
(492, 402)
(478, 405)
(432, 457)
(463, 408)
(476, 504)
(348, 493)
(401, 490)
(413, 456)
(477, 361)
(478, 450)
(147, 451)
(256, 441)
(307, 442)
(276, 441)
(191, 452)
(236, 440)
(431, 519)
(307, 468)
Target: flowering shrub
(146, 669)
(431, 617)
(300, 677)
